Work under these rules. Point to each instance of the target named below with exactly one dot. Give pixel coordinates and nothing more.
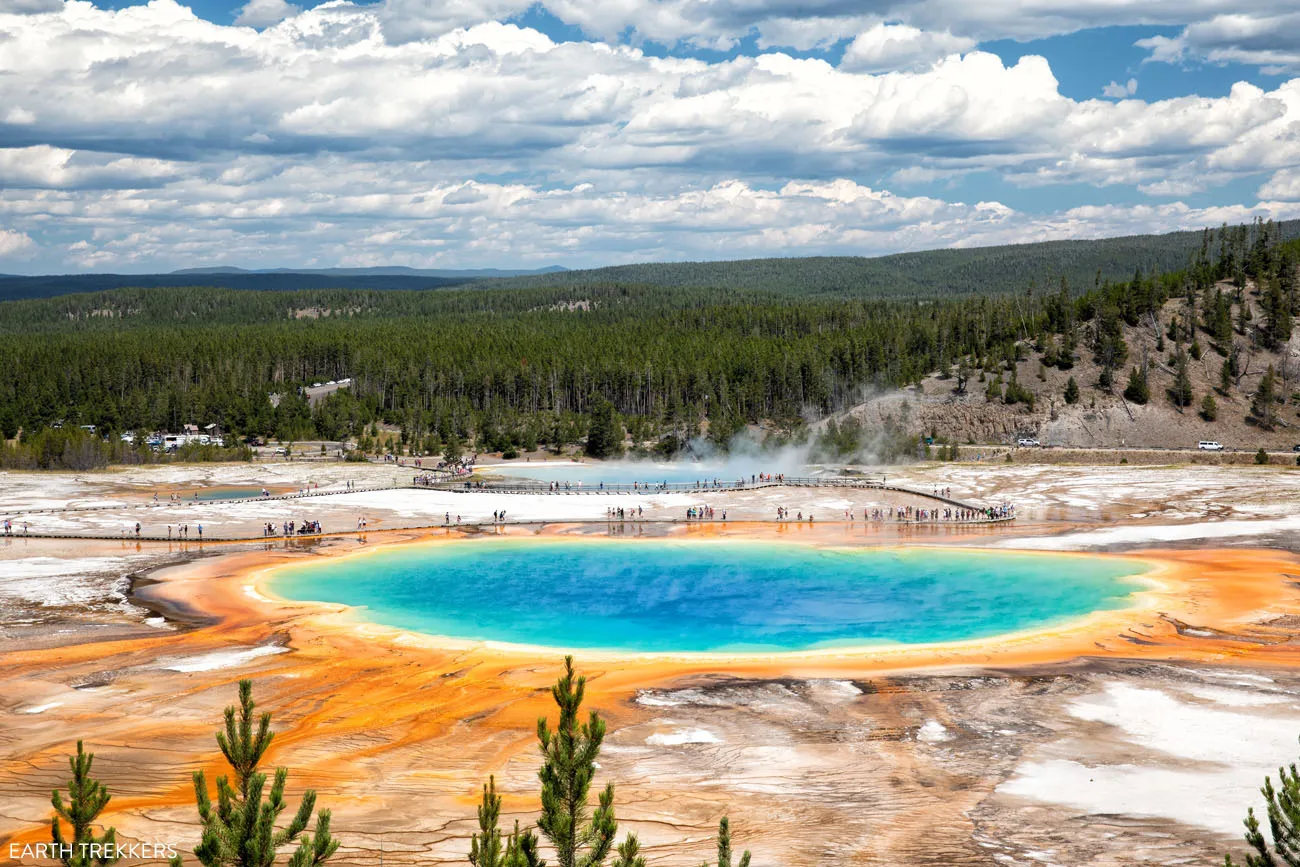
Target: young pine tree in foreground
(724, 847)
(1283, 821)
(240, 831)
(486, 850)
(581, 837)
(569, 755)
(87, 798)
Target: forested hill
(510, 369)
(975, 270)
(17, 287)
(933, 273)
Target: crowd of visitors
(622, 514)
(703, 513)
(296, 528)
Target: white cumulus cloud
(1254, 38)
(14, 243)
(899, 46)
(1115, 90)
(264, 13)
(1284, 185)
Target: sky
(139, 137)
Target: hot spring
(709, 596)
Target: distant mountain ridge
(925, 274)
(16, 288)
(929, 273)
(380, 271)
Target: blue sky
(500, 133)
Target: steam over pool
(674, 596)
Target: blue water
(709, 596)
(225, 493)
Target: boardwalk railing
(711, 486)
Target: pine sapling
(87, 798)
(240, 830)
(486, 850)
(1283, 807)
(724, 847)
(569, 755)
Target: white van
(1210, 446)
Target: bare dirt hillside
(1104, 418)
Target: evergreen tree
(724, 847)
(87, 798)
(604, 434)
(580, 839)
(994, 389)
(569, 755)
(1277, 316)
(1286, 274)
(963, 376)
(1181, 392)
(1065, 352)
(1137, 390)
(1017, 393)
(240, 831)
(1261, 456)
(1228, 371)
(1261, 407)
(1071, 391)
(1219, 321)
(486, 849)
(1209, 407)
(1108, 341)
(1243, 313)
(629, 853)
(452, 449)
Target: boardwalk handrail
(705, 487)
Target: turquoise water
(225, 493)
(709, 596)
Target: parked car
(1210, 446)
(1028, 443)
